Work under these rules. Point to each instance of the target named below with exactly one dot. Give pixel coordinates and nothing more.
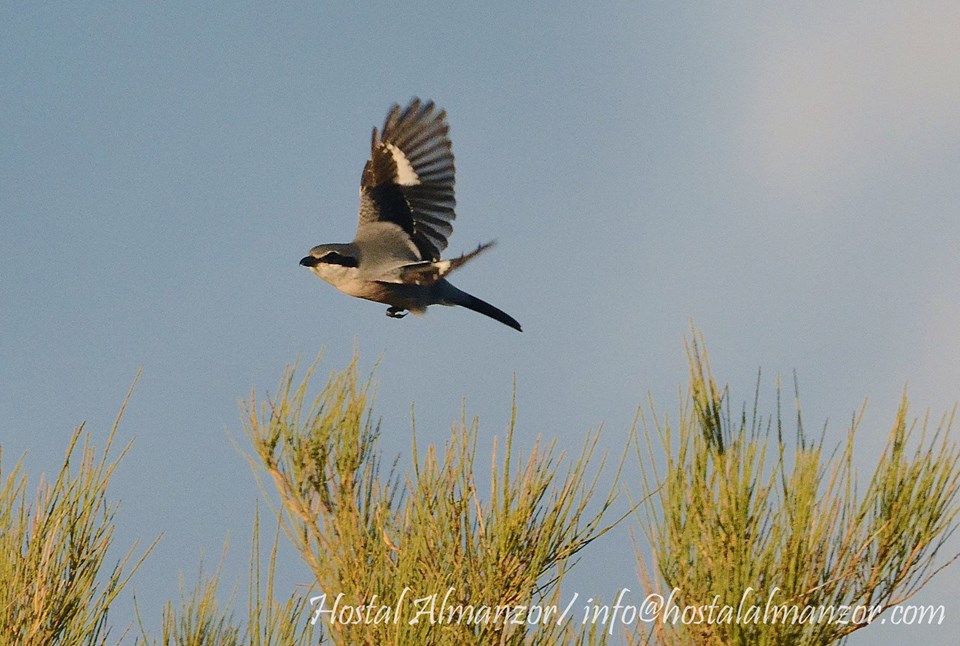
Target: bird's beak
(309, 261)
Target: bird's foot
(396, 312)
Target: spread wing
(409, 177)
(428, 272)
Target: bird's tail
(458, 297)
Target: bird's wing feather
(409, 177)
(428, 272)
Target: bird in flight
(406, 215)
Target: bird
(407, 209)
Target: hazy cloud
(838, 92)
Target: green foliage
(52, 551)
(200, 620)
(386, 541)
(273, 621)
(732, 507)
(729, 517)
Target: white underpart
(406, 176)
(442, 267)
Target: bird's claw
(396, 312)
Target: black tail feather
(473, 303)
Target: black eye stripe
(334, 258)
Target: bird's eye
(335, 258)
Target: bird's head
(332, 262)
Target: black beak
(309, 261)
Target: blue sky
(783, 175)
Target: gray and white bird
(406, 215)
